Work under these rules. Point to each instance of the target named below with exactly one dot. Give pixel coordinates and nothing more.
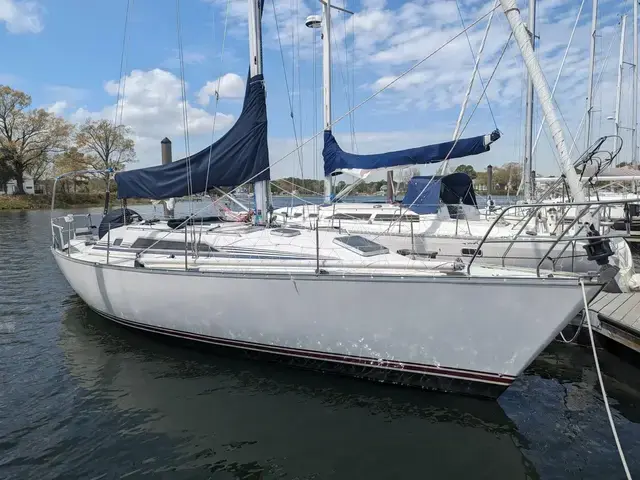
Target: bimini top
(425, 194)
(336, 159)
(238, 156)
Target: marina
(144, 406)
(198, 325)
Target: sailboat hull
(442, 332)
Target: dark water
(82, 398)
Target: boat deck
(618, 317)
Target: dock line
(604, 393)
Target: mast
(528, 129)
(463, 108)
(592, 64)
(619, 86)
(544, 96)
(326, 81)
(634, 77)
(261, 189)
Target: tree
(107, 146)
(6, 172)
(70, 161)
(468, 169)
(28, 139)
(507, 178)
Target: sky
(74, 58)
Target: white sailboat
(315, 298)
(439, 216)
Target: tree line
(505, 179)
(40, 144)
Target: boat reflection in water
(254, 420)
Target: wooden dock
(618, 318)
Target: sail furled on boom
(336, 159)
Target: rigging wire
(289, 93)
(564, 58)
(595, 88)
(217, 101)
(122, 80)
(353, 84)
(217, 91)
(297, 27)
(475, 107)
(315, 105)
(185, 114)
(350, 80)
(340, 118)
(345, 87)
(473, 55)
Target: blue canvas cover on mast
(336, 159)
(239, 156)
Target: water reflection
(254, 420)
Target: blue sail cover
(425, 194)
(336, 159)
(238, 156)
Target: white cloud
(21, 16)
(229, 85)
(152, 106)
(57, 108)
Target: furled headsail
(239, 156)
(336, 159)
(425, 194)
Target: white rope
(604, 393)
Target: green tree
(28, 138)
(6, 172)
(468, 169)
(70, 161)
(106, 145)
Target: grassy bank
(63, 200)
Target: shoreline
(21, 203)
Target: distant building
(12, 186)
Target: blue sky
(66, 54)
